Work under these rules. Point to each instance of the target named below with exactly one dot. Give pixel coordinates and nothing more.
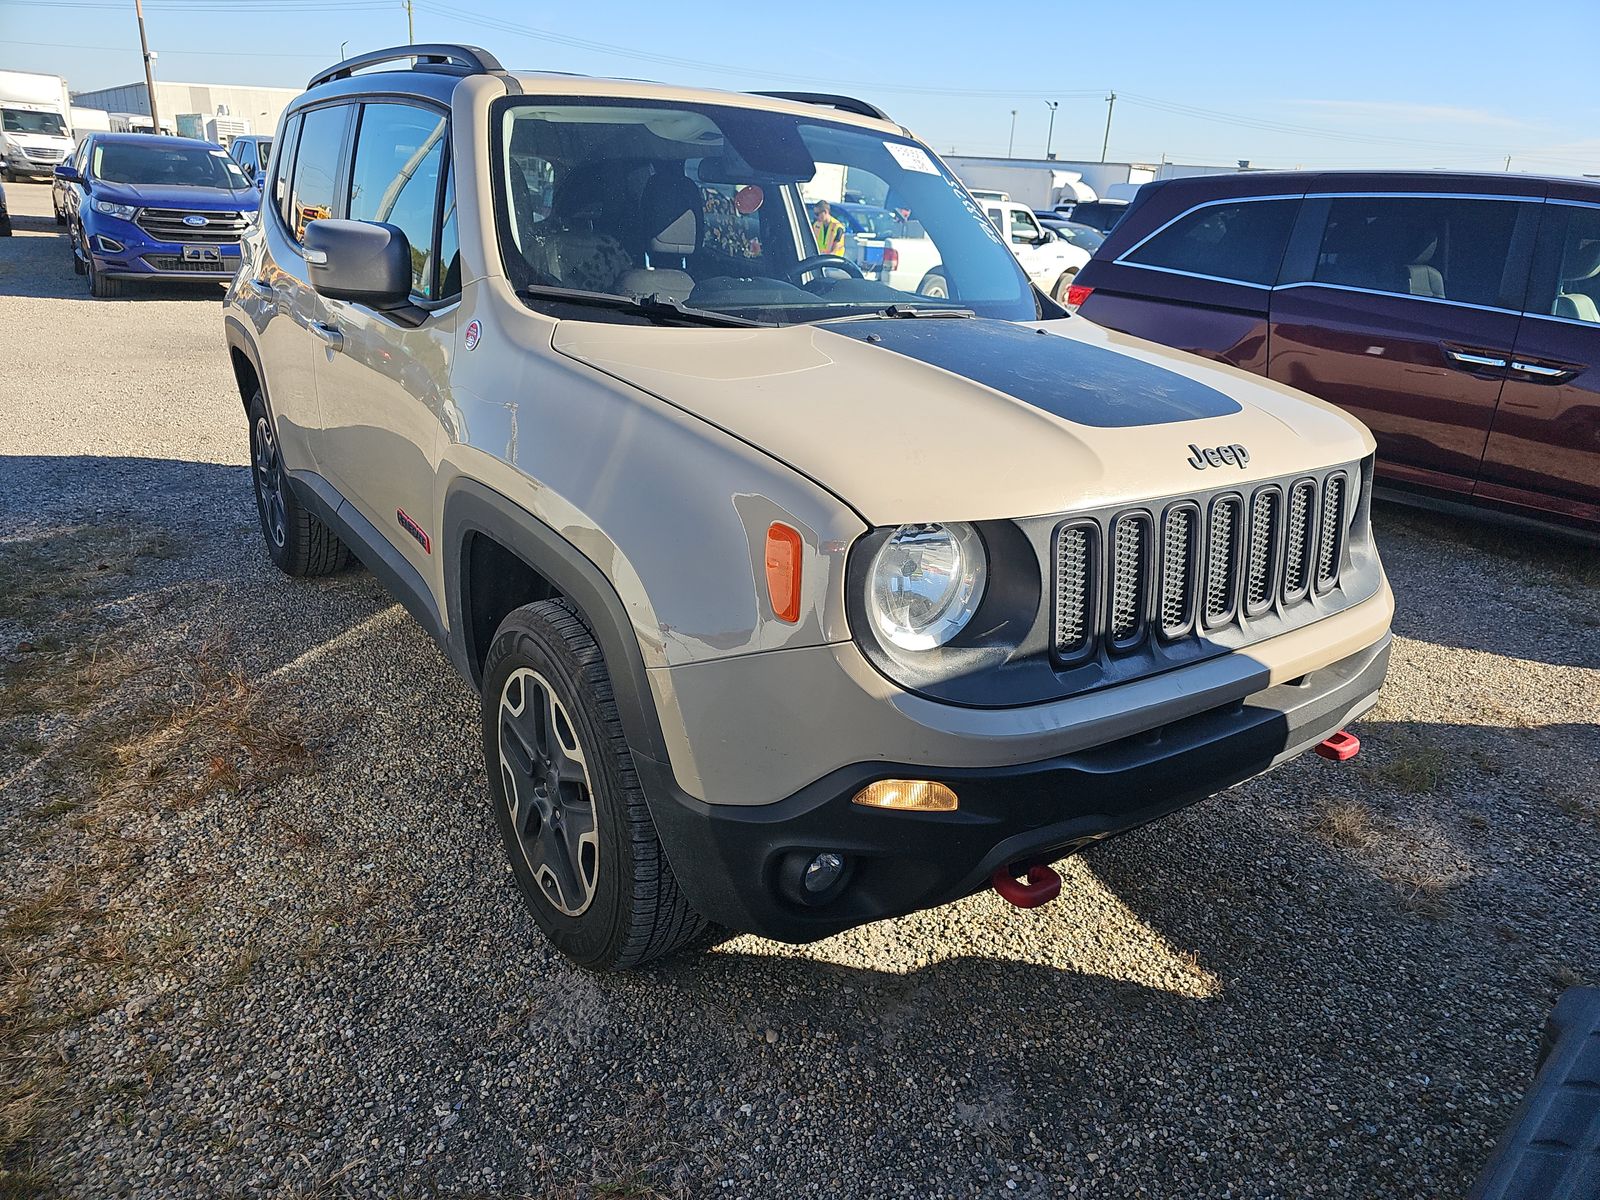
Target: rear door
(1403, 309)
(1544, 446)
(1200, 281)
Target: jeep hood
(944, 419)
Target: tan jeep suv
(795, 600)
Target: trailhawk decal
(1085, 384)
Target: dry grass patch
(1348, 824)
(1412, 766)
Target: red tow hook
(1341, 747)
(1042, 886)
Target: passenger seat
(1424, 278)
(670, 222)
(1582, 265)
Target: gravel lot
(257, 936)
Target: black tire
(1059, 293)
(5, 224)
(298, 543)
(624, 907)
(934, 285)
(72, 248)
(102, 287)
(61, 217)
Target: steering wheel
(816, 262)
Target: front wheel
(571, 811)
(101, 286)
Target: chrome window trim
(1345, 287)
(1122, 259)
(1563, 320)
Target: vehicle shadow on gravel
(1466, 583)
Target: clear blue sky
(1349, 83)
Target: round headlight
(925, 584)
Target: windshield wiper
(654, 305)
(905, 312)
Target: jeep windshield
(747, 212)
(167, 166)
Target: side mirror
(67, 173)
(360, 261)
(1046, 237)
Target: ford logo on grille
(195, 221)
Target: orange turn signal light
(783, 571)
(907, 795)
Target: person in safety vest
(828, 229)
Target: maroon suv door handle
(1476, 360)
(1539, 372)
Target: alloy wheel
(548, 793)
(269, 481)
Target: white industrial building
(258, 107)
(1045, 182)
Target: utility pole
(149, 68)
(1012, 144)
(1508, 162)
(1052, 105)
(1111, 104)
(411, 25)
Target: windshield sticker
(911, 158)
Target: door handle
(331, 336)
(1541, 372)
(1474, 361)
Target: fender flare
(470, 508)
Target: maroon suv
(1457, 315)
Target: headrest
(1423, 244)
(1583, 261)
(669, 214)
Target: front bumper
(142, 257)
(733, 861)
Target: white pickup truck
(1050, 261)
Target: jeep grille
(1236, 555)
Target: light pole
(1012, 144)
(1111, 104)
(411, 25)
(1052, 105)
(149, 68)
(342, 45)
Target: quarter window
(1241, 241)
(316, 168)
(395, 180)
(1576, 291)
(1430, 246)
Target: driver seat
(669, 226)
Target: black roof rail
(469, 60)
(828, 100)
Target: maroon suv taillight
(1077, 293)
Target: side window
(395, 180)
(1241, 241)
(449, 242)
(1443, 248)
(1024, 229)
(316, 168)
(1574, 291)
(279, 186)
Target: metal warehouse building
(260, 106)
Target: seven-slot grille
(1231, 556)
(167, 225)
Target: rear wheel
(570, 808)
(298, 542)
(1059, 293)
(934, 286)
(72, 248)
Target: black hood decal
(1085, 384)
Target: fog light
(908, 795)
(822, 872)
(108, 245)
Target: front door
(382, 378)
(1544, 448)
(1403, 310)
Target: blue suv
(146, 207)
